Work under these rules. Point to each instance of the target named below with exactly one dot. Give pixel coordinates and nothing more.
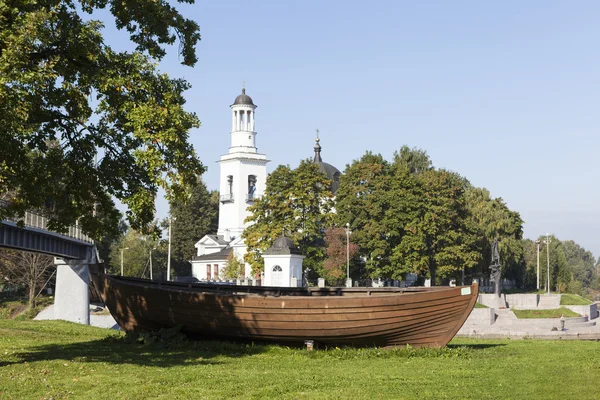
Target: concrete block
(590, 310)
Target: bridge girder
(43, 241)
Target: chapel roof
(243, 98)
(332, 172)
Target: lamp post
(538, 263)
(169, 255)
(548, 258)
(122, 250)
(151, 261)
(348, 281)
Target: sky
(504, 93)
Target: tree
(413, 160)
(338, 252)
(297, 203)
(31, 270)
(135, 248)
(66, 97)
(491, 219)
(436, 240)
(234, 268)
(194, 217)
(580, 266)
(362, 201)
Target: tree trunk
(432, 271)
(31, 299)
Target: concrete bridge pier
(72, 296)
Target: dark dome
(333, 174)
(283, 243)
(243, 98)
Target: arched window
(277, 276)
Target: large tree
(492, 219)
(436, 241)
(193, 217)
(296, 203)
(66, 97)
(362, 201)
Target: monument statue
(496, 268)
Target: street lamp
(348, 232)
(154, 248)
(169, 255)
(538, 263)
(547, 241)
(122, 250)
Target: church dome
(283, 242)
(333, 174)
(283, 245)
(243, 98)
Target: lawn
(552, 313)
(61, 360)
(573, 300)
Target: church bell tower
(243, 171)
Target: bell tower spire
(243, 133)
(243, 169)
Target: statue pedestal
(498, 302)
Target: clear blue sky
(504, 93)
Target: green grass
(16, 308)
(573, 300)
(555, 313)
(54, 359)
(479, 305)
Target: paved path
(96, 319)
(506, 325)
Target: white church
(243, 176)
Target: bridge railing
(38, 221)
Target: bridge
(36, 237)
(73, 252)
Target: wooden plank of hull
(417, 317)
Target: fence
(38, 221)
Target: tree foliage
(407, 216)
(491, 218)
(135, 249)
(67, 97)
(362, 201)
(193, 217)
(234, 268)
(339, 249)
(436, 239)
(297, 203)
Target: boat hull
(384, 317)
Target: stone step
(575, 320)
(587, 324)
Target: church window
(277, 268)
(208, 266)
(228, 197)
(251, 187)
(216, 271)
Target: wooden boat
(383, 317)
